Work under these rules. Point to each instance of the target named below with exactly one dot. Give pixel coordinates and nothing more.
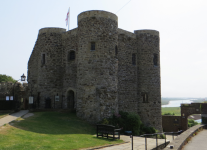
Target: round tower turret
(97, 65)
(49, 64)
(149, 86)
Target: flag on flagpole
(67, 17)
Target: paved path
(138, 143)
(198, 142)
(12, 117)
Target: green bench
(106, 130)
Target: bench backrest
(105, 128)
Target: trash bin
(128, 132)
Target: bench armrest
(117, 129)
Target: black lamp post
(23, 77)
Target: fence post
(173, 136)
(165, 139)
(132, 142)
(145, 143)
(156, 141)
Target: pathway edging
(12, 117)
(180, 141)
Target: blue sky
(182, 26)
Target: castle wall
(127, 74)
(70, 65)
(97, 69)
(32, 74)
(149, 86)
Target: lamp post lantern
(23, 77)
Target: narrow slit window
(155, 59)
(43, 59)
(133, 59)
(144, 97)
(116, 50)
(93, 46)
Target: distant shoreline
(167, 103)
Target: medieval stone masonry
(97, 69)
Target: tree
(191, 123)
(5, 78)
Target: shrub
(147, 130)
(172, 114)
(191, 123)
(128, 122)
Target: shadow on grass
(105, 139)
(55, 123)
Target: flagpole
(69, 20)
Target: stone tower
(97, 65)
(45, 72)
(149, 89)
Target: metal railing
(155, 134)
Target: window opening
(144, 97)
(93, 46)
(72, 55)
(116, 50)
(133, 59)
(43, 59)
(155, 59)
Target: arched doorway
(71, 99)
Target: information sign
(30, 100)
(56, 98)
(7, 98)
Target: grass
(175, 110)
(50, 131)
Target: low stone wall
(179, 142)
(161, 146)
(171, 123)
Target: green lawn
(175, 110)
(50, 131)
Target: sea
(177, 103)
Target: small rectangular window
(43, 59)
(71, 55)
(93, 46)
(133, 59)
